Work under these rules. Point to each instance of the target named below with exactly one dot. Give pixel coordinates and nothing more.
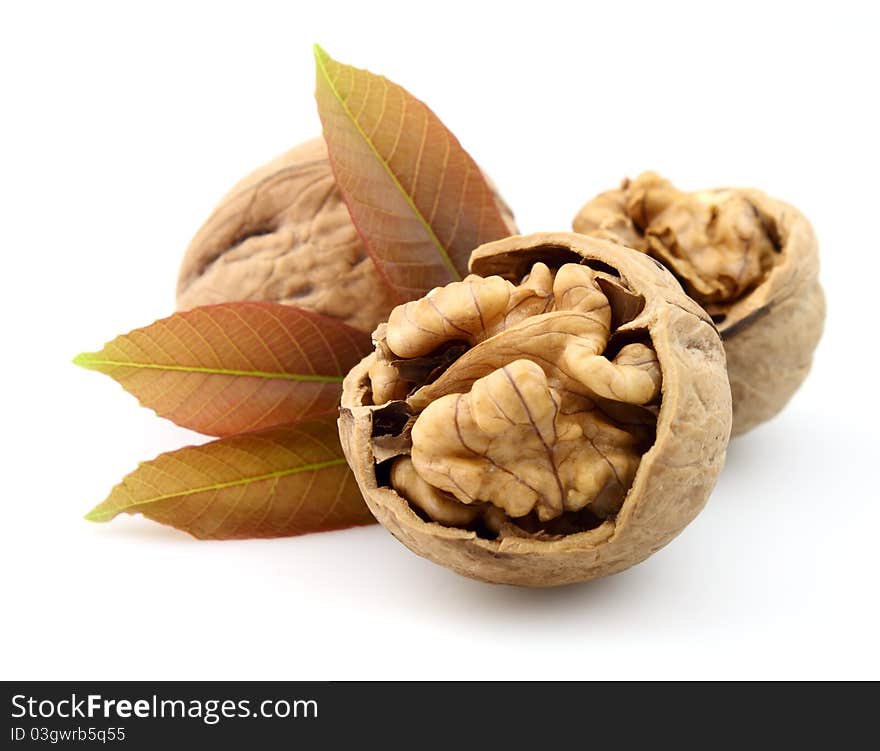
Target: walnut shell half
(283, 234)
(752, 261)
(558, 416)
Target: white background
(122, 124)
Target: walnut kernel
(750, 260)
(559, 417)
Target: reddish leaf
(418, 200)
(274, 483)
(235, 367)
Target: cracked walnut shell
(751, 261)
(284, 234)
(557, 416)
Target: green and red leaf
(418, 200)
(274, 483)
(235, 367)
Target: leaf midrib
(85, 361)
(320, 56)
(99, 514)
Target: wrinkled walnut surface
(284, 234)
(514, 422)
(558, 417)
(750, 260)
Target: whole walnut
(283, 234)
(751, 261)
(557, 416)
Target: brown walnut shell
(751, 260)
(557, 417)
(283, 234)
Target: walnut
(750, 260)
(284, 234)
(557, 416)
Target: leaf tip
(321, 55)
(83, 360)
(98, 514)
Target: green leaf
(235, 367)
(418, 200)
(274, 483)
